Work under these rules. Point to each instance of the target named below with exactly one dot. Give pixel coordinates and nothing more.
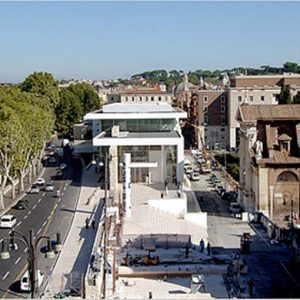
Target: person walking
(208, 248)
(251, 287)
(201, 246)
(87, 223)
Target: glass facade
(142, 125)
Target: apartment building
(140, 95)
(270, 160)
(212, 117)
(255, 90)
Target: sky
(102, 40)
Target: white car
(8, 221)
(188, 170)
(25, 282)
(49, 187)
(34, 189)
(40, 181)
(195, 176)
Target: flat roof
(137, 107)
(134, 135)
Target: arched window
(287, 176)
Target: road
(46, 215)
(266, 260)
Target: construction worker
(201, 246)
(87, 223)
(208, 248)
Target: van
(25, 281)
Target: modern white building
(150, 132)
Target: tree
(291, 67)
(285, 96)
(296, 98)
(43, 84)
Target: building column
(180, 161)
(271, 204)
(113, 169)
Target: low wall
(199, 218)
(174, 206)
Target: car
(59, 174)
(34, 189)
(21, 205)
(52, 159)
(217, 182)
(8, 221)
(195, 176)
(205, 170)
(235, 207)
(25, 281)
(49, 187)
(63, 166)
(219, 187)
(40, 181)
(188, 170)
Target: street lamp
(107, 158)
(31, 245)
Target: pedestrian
(201, 246)
(251, 287)
(93, 224)
(87, 223)
(208, 248)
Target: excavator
(146, 260)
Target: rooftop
(138, 107)
(272, 112)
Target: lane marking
(48, 217)
(26, 217)
(39, 200)
(25, 250)
(62, 193)
(19, 223)
(9, 232)
(29, 212)
(1, 240)
(6, 274)
(19, 258)
(34, 206)
(59, 200)
(39, 231)
(44, 223)
(43, 194)
(65, 188)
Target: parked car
(34, 189)
(52, 159)
(49, 187)
(8, 221)
(40, 181)
(63, 166)
(235, 207)
(188, 170)
(21, 205)
(195, 176)
(217, 182)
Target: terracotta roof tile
(252, 113)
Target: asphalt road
(266, 261)
(46, 215)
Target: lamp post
(107, 158)
(31, 245)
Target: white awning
(143, 165)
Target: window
(222, 108)
(222, 99)
(262, 98)
(222, 137)
(111, 98)
(126, 98)
(152, 98)
(147, 98)
(205, 108)
(205, 119)
(251, 98)
(205, 99)
(223, 119)
(141, 98)
(240, 98)
(159, 98)
(222, 129)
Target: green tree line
(174, 77)
(29, 114)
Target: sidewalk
(72, 264)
